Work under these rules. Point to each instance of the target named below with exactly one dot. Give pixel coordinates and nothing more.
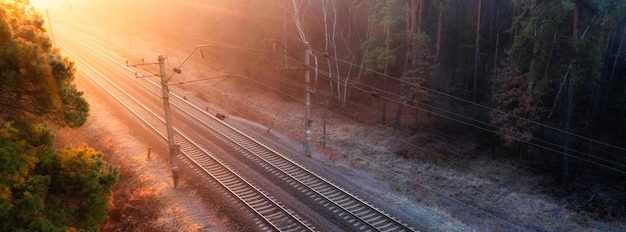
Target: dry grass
(143, 198)
(485, 194)
(135, 207)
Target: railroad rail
(361, 215)
(357, 212)
(272, 215)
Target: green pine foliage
(378, 46)
(36, 83)
(41, 188)
(420, 71)
(83, 189)
(44, 189)
(546, 53)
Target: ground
(144, 198)
(453, 184)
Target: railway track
(358, 214)
(272, 216)
(361, 215)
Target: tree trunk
(285, 42)
(334, 45)
(327, 46)
(409, 19)
(387, 47)
(410, 24)
(350, 8)
(383, 119)
(457, 47)
(615, 60)
(570, 98)
(495, 54)
(439, 24)
(622, 113)
(477, 50)
(398, 122)
(419, 6)
(568, 122)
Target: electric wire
(455, 114)
(362, 89)
(387, 170)
(354, 86)
(474, 103)
(489, 124)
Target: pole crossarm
(173, 147)
(177, 69)
(143, 63)
(205, 79)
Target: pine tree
(379, 52)
(36, 79)
(42, 189)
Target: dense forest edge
(541, 83)
(43, 188)
(543, 80)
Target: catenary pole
(168, 121)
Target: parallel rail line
(361, 215)
(274, 217)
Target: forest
(543, 80)
(43, 188)
(542, 83)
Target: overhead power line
(463, 119)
